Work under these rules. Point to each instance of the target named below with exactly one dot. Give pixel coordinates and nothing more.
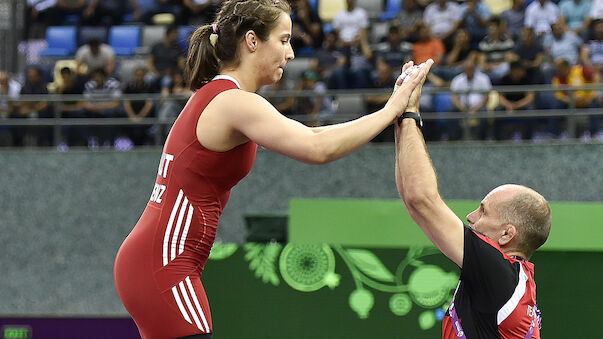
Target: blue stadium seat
(61, 41)
(306, 52)
(443, 102)
(125, 40)
(184, 33)
(327, 27)
(88, 33)
(147, 5)
(72, 19)
(392, 9)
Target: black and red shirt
(496, 295)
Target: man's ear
(251, 40)
(509, 233)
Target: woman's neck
(246, 81)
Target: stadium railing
(572, 113)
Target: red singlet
(158, 267)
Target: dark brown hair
(236, 18)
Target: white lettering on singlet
(164, 164)
(159, 189)
(157, 193)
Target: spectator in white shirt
(443, 17)
(540, 15)
(596, 10)
(471, 80)
(561, 43)
(95, 55)
(351, 24)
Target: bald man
(496, 294)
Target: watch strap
(411, 115)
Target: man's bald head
(529, 211)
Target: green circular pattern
(429, 286)
(427, 320)
(400, 304)
(361, 301)
(304, 267)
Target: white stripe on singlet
(168, 229)
(180, 306)
(512, 303)
(189, 217)
(192, 291)
(174, 243)
(227, 77)
(187, 300)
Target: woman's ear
(251, 41)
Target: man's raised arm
(418, 186)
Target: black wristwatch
(411, 115)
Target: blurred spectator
(540, 15)
(474, 16)
(95, 55)
(355, 72)
(34, 85)
(596, 10)
(136, 110)
(101, 87)
(561, 43)
(394, 50)
(11, 89)
(461, 51)
(442, 17)
(427, 47)
(351, 25)
(575, 76)
(510, 128)
(200, 12)
(174, 7)
(384, 77)
(110, 12)
(471, 79)
(42, 11)
(283, 104)
(70, 7)
(169, 109)
(513, 18)
(574, 14)
(423, 3)
(329, 57)
(317, 107)
(591, 53)
(530, 54)
(493, 50)
(167, 58)
(307, 26)
(71, 84)
(409, 18)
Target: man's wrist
(411, 115)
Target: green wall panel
(294, 291)
(385, 223)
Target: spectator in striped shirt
(103, 91)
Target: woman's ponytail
(202, 63)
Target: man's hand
(413, 103)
